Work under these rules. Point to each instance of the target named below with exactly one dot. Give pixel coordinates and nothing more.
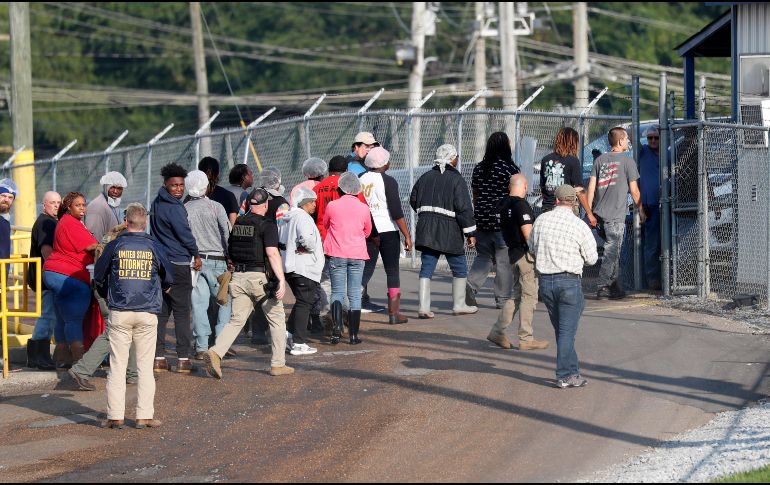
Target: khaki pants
(140, 328)
(246, 290)
(523, 299)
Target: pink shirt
(348, 223)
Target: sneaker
(371, 307)
(199, 355)
(213, 364)
(571, 381)
(148, 423)
(303, 349)
(281, 371)
(532, 344)
(82, 382)
(603, 293)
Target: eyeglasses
(653, 138)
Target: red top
(327, 192)
(69, 256)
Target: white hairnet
(303, 195)
(270, 179)
(314, 168)
(652, 130)
(196, 183)
(445, 155)
(113, 179)
(378, 157)
(349, 183)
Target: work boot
(532, 344)
(459, 297)
(148, 423)
(394, 308)
(213, 364)
(83, 383)
(499, 339)
(44, 361)
(160, 364)
(62, 356)
(281, 371)
(354, 317)
(616, 291)
(77, 350)
(424, 310)
(603, 293)
(336, 322)
(32, 354)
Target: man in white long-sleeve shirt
(563, 244)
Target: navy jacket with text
(132, 273)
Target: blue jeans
(346, 275)
(651, 233)
(562, 295)
(429, 260)
(613, 234)
(47, 321)
(492, 251)
(72, 298)
(206, 287)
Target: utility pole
(580, 42)
(201, 79)
(21, 116)
(416, 76)
(508, 56)
(480, 62)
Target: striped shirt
(562, 243)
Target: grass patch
(757, 476)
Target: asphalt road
(425, 401)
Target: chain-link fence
(412, 139)
(721, 232)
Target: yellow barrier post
(16, 312)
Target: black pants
(178, 300)
(305, 293)
(390, 249)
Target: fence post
(702, 223)
(110, 148)
(637, 137)
(363, 110)
(250, 145)
(57, 157)
(198, 135)
(149, 162)
(306, 122)
(767, 233)
(704, 187)
(410, 162)
(665, 201)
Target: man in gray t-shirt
(613, 176)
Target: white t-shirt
(373, 188)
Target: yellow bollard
(25, 205)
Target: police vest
(246, 245)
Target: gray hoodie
(304, 254)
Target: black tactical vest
(246, 245)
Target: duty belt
(249, 268)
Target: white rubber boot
(458, 296)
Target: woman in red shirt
(65, 273)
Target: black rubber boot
(354, 317)
(336, 322)
(32, 353)
(44, 360)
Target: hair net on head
(7, 186)
(349, 183)
(314, 168)
(652, 130)
(303, 195)
(114, 179)
(270, 179)
(445, 155)
(196, 183)
(378, 157)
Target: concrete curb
(28, 381)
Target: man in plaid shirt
(563, 244)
